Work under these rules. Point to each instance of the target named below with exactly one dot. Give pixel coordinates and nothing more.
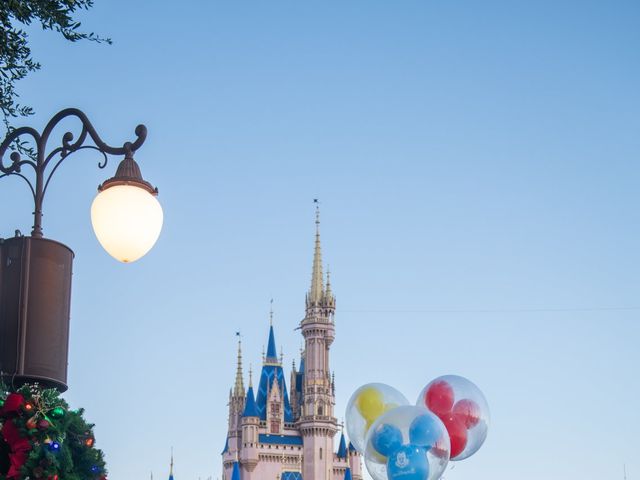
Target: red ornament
(457, 434)
(468, 412)
(439, 398)
(13, 402)
(31, 423)
(43, 424)
(89, 442)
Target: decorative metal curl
(69, 146)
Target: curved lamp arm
(68, 146)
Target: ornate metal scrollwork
(41, 160)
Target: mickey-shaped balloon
(365, 406)
(407, 443)
(462, 408)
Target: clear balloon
(407, 443)
(365, 406)
(461, 406)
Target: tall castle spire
(316, 291)
(316, 422)
(171, 467)
(238, 388)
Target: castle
(276, 436)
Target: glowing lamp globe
(126, 215)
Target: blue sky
(477, 164)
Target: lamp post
(35, 272)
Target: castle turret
(236, 406)
(250, 430)
(317, 423)
(355, 462)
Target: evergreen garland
(41, 438)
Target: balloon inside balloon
(463, 409)
(365, 406)
(407, 443)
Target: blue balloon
(408, 463)
(425, 431)
(386, 439)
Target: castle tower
(317, 424)
(250, 430)
(236, 405)
(355, 463)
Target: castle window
(320, 453)
(275, 426)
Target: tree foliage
(16, 61)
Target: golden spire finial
(328, 292)
(317, 287)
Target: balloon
(439, 398)
(386, 439)
(365, 406)
(407, 443)
(462, 407)
(370, 404)
(408, 463)
(467, 411)
(424, 431)
(457, 434)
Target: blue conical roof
(235, 475)
(347, 474)
(272, 354)
(272, 372)
(342, 449)
(250, 408)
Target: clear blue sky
(478, 167)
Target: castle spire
(238, 389)
(272, 352)
(171, 467)
(317, 288)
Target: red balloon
(468, 412)
(439, 398)
(457, 434)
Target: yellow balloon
(370, 405)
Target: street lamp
(35, 272)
